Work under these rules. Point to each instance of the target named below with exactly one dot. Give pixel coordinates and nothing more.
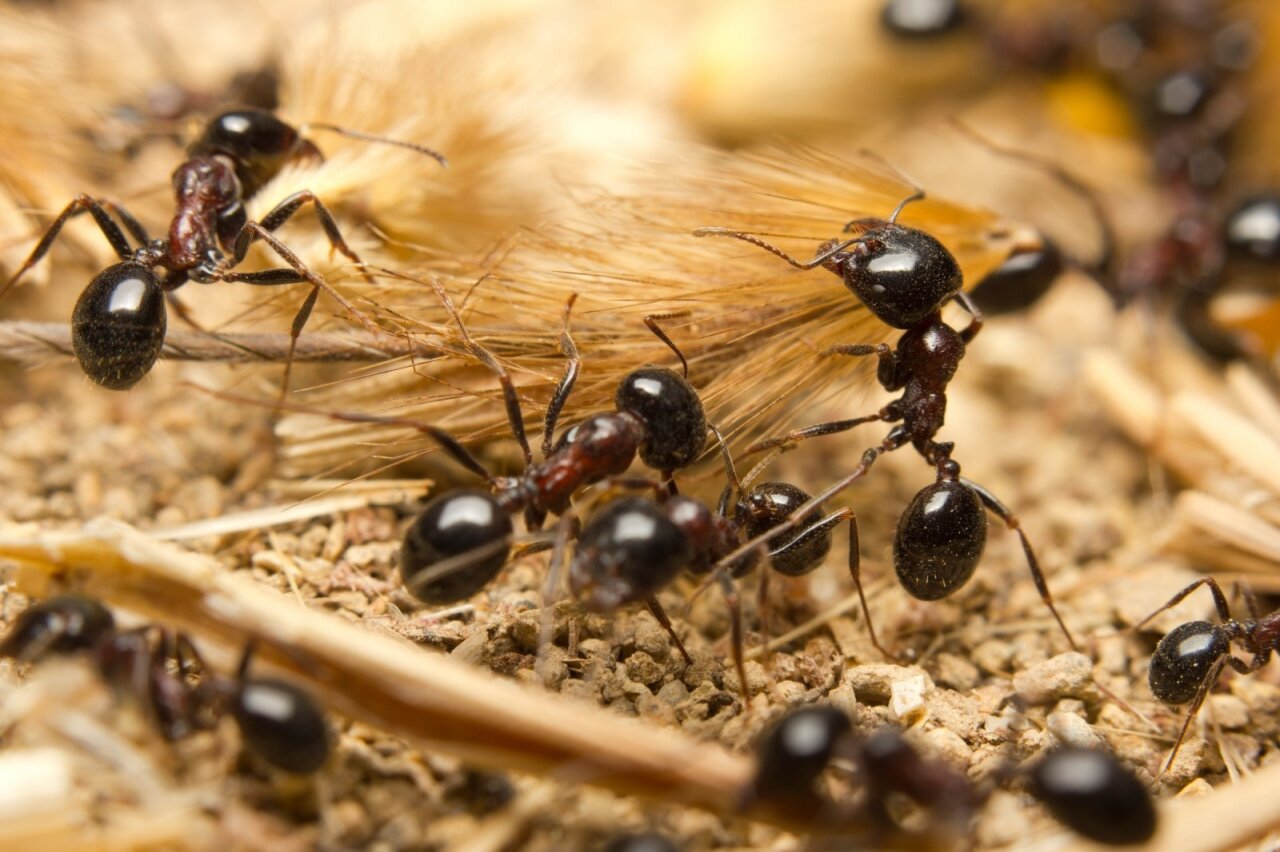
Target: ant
(462, 539)
(905, 276)
(1188, 660)
(118, 324)
(634, 547)
(161, 668)
(1087, 790)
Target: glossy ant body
(119, 321)
(905, 276)
(1088, 791)
(1188, 660)
(164, 672)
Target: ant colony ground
(639, 426)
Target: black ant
(905, 276)
(462, 539)
(1088, 791)
(118, 325)
(634, 547)
(162, 669)
(1189, 658)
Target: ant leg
(1011, 521)
(734, 603)
(131, 223)
(970, 331)
(814, 431)
(1219, 600)
(78, 205)
(1250, 601)
(888, 371)
(284, 211)
(447, 442)
(652, 322)
(567, 381)
(253, 230)
(855, 572)
(661, 614)
(1210, 679)
(818, 259)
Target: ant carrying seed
(162, 670)
(1189, 658)
(118, 325)
(905, 276)
(1088, 791)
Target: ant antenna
(567, 381)
(379, 140)
(918, 195)
(652, 322)
(1102, 267)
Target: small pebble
(1070, 729)
(955, 672)
(873, 682)
(1229, 711)
(1066, 675)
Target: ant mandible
(163, 671)
(1189, 658)
(118, 325)
(905, 276)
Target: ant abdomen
(282, 724)
(794, 551)
(796, 750)
(669, 407)
(1021, 280)
(626, 553)
(1183, 660)
(940, 539)
(258, 142)
(1090, 792)
(1252, 229)
(118, 325)
(62, 625)
(903, 275)
(465, 521)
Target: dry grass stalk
(379, 680)
(1216, 440)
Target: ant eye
(1183, 659)
(1091, 793)
(118, 325)
(460, 522)
(940, 539)
(669, 407)
(903, 275)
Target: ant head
(940, 539)
(118, 325)
(257, 142)
(1091, 793)
(903, 275)
(1184, 658)
(628, 551)
(921, 19)
(61, 625)
(769, 504)
(1252, 229)
(795, 751)
(468, 520)
(672, 414)
(282, 724)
